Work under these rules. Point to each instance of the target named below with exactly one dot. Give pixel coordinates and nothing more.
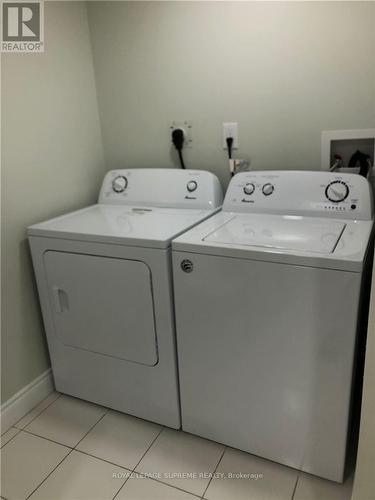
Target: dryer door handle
(60, 299)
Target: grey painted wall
(284, 71)
(52, 162)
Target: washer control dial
(337, 191)
(249, 188)
(191, 186)
(268, 189)
(119, 184)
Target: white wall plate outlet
(187, 126)
(230, 129)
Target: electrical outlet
(186, 126)
(230, 129)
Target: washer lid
(125, 225)
(279, 232)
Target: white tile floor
(68, 449)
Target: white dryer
(267, 299)
(104, 281)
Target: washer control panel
(308, 193)
(162, 187)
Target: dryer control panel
(318, 194)
(162, 187)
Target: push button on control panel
(191, 186)
(268, 189)
(119, 184)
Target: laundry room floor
(68, 449)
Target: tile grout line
(167, 484)
(71, 449)
(92, 427)
(52, 471)
(103, 460)
(123, 484)
(47, 439)
(139, 461)
(295, 485)
(217, 465)
(125, 468)
(115, 464)
(144, 454)
(66, 456)
(106, 412)
(63, 444)
(139, 473)
(38, 415)
(157, 480)
(11, 439)
(20, 429)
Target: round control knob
(337, 191)
(119, 184)
(191, 186)
(249, 188)
(268, 189)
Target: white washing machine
(267, 299)
(104, 281)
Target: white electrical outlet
(230, 129)
(187, 127)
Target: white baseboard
(26, 399)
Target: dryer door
(103, 305)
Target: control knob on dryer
(268, 189)
(249, 188)
(191, 186)
(119, 184)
